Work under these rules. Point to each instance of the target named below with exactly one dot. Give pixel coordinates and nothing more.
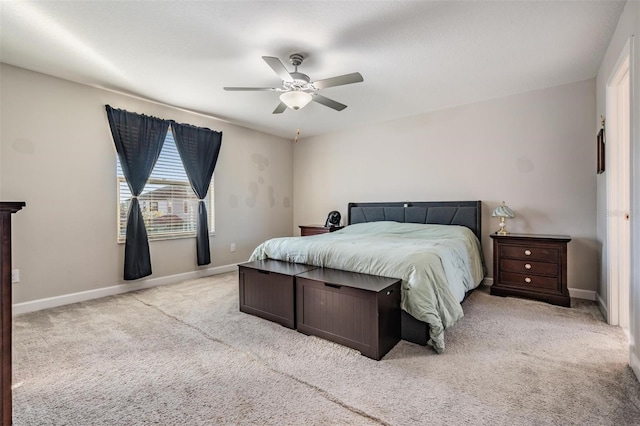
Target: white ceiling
(415, 56)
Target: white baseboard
(578, 293)
(487, 281)
(52, 302)
(602, 305)
(634, 362)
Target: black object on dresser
(531, 266)
(306, 230)
(267, 289)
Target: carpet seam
(326, 395)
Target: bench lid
(349, 279)
(278, 266)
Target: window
(167, 186)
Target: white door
(617, 168)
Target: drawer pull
(527, 252)
(260, 271)
(527, 266)
(389, 292)
(333, 285)
(527, 280)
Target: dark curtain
(138, 139)
(199, 148)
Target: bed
(434, 247)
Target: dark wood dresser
(531, 266)
(6, 210)
(306, 230)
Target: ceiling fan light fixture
(295, 99)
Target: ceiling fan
(298, 89)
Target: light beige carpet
(184, 355)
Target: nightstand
(306, 230)
(531, 266)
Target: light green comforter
(438, 264)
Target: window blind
(169, 205)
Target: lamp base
(502, 225)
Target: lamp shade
(503, 211)
(295, 99)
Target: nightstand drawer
(529, 252)
(525, 267)
(529, 281)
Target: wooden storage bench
(356, 310)
(267, 289)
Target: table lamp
(502, 212)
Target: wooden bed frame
(464, 213)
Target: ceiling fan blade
(340, 80)
(278, 67)
(250, 89)
(328, 102)
(280, 108)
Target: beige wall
(58, 156)
(536, 151)
(628, 26)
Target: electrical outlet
(233, 247)
(15, 275)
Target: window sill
(172, 237)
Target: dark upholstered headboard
(465, 213)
